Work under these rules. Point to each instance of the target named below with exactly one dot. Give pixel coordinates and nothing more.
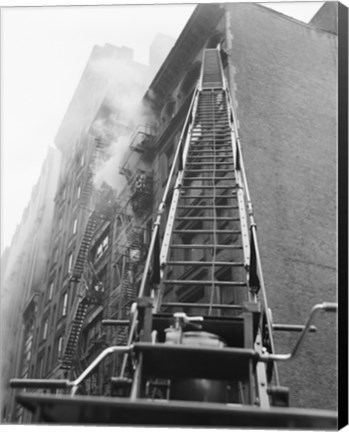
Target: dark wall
(284, 83)
(327, 17)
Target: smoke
(121, 112)
(108, 171)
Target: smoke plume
(121, 112)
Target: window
(45, 330)
(75, 226)
(60, 347)
(102, 247)
(101, 280)
(92, 333)
(40, 365)
(70, 263)
(119, 270)
(53, 317)
(119, 225)
(163, 168)
(48, 360)
(147, 233)
(82, 159)
(60, 221)
(55, 255)
(50, 291)
(65, 303)
(28, 344)
(170, 157)
(78, 193)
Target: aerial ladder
(200, 348)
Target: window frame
(64, 304)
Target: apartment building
(23, 277)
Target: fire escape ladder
(84, 248)
(86, 296)
(74, 334)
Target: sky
(44, 51)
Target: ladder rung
(202, 305)
(210, 122)
(219, 141)
(205, 246)
(211, 207)
(222, 134)
(211, 187)
(212, 85)
(183, 196)
(208, 178)
(213, 154)
(203, 231)
(204, 108)
(216, 129)
(207, 218)
(225, 156)
(207, 263)
(203, 283)
(212, 115)
(207, 170)
(210, 163)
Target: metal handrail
(60, 384)
(325, 307)
(253, 228)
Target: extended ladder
(205, 247)
(205, 266)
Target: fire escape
(129, 243)
(200, 348)
(131, 250)
(82, 271)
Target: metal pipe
(51, 383)
(325, 307)
(116, 322)
(292, 328)
(38, 383)
(102, 355)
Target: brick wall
(285, 88)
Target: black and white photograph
(169, 215)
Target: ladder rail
(176, 195)
(253, 228)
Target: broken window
(101, 246)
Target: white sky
(43, 54)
